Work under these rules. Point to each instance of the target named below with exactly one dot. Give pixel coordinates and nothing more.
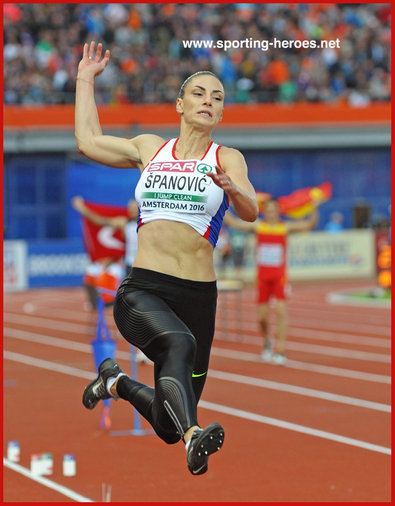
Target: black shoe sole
(102, 369)
(207, 443)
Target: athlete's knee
(263, 313)
(263, 320)
(174, 348)
(184, 347)
(281, 308)
(169, 438)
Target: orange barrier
(252, 115)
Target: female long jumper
(166, 306)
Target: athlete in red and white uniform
(166, 306)
(271, 260)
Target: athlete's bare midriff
(176, 249)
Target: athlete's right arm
(105, 149)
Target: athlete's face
(272, 211)
(203, 101)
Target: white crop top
(179, 190)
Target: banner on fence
(15, 266)
(320, 255)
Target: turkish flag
(103, 241)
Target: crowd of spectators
(43, 45)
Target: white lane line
(44, 481)
(250, 310)
(327, 312)
(53, 298)
(246, 380)
(234, 318)
(324, 309)
(293, 389)
(336, 326)
(45, 323)
(324, 320)
(293, 427)
(234, 315)
(56, 341)
(340, 352)
(77, 297)
(318, 303)
(321, 335)
(49, 366)
(221, 352)
(52, 366)
(305, 333)
(337, 371)
(305, 366)
(237, 337)
(347, 299)
(87, 319)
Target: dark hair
(188, 79)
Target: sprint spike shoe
(203, 443)
(96, 390)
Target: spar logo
(176, 166)
(185, 166)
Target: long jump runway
(315, 430)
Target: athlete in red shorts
(271, 257)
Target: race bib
(270, 255)
(180, 186)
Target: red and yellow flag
(300, 203)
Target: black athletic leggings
(172, 321)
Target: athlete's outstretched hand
(92, 64)
(78, 203)
(222, 180)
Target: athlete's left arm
(232, 177)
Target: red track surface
(337, 381)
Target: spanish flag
(300, 203)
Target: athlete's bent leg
(146, 321)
